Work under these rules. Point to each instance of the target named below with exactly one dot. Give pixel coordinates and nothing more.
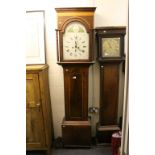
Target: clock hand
(80, 49)
(75, 44)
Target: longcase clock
(110, 47)
(75, 53)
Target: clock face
(75, 42)
(110, 47)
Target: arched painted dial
(75, 42)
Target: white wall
(108, 13)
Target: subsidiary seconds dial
(75, 42)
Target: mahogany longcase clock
(110, 47)
(75, 53)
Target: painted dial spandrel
(75, 42)
(110, 47)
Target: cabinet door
(35, 135)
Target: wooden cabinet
(39, 127)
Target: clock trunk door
(76, 92)
(109, 76)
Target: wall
(108, 13)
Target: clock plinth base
(104, 133)
(76, 133)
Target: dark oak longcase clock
(75, 53)
(110, 47)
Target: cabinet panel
(34, 117)
(32, 90)
(35, 131)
